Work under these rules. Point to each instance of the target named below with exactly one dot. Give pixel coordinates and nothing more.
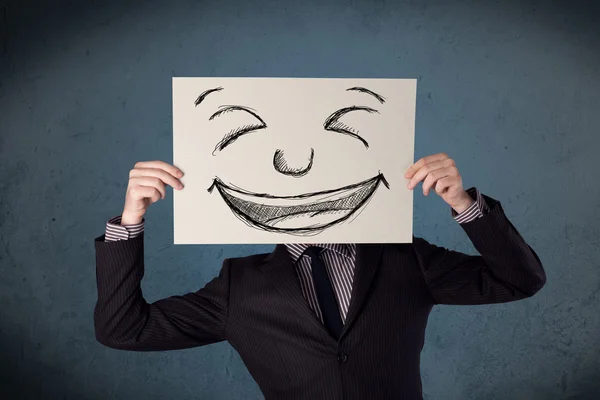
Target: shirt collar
(295, 250)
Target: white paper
(293, 160)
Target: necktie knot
(313, 251)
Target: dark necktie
(325, 294)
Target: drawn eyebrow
(225, 109)
(234, 134)
(333, 124)
(204, 94)
(367, 91)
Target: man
(320, 321)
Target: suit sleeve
(124, 320)
(506, 270)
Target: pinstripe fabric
(256, 304)
(339, 258)
(477, 209)
(116, 231)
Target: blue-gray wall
(509, 89)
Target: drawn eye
(241, 130)
(333, 123)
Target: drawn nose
(286, 165)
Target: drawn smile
(303, 214)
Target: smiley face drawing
(300, 214)
(291, 157)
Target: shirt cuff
(115, 231)
(477, 209)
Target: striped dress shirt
(339, 259)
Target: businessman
(322, 321)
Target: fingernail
(180, 186)
(180, 174)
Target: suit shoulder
(247, 261)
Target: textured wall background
(509, 89)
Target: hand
(146, 186)
(439, 172)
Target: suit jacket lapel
(280, 269)
(368, 259)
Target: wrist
(128, 219)
(464, 204)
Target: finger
(171, 169)
(150, 182)
(157, 173)
(146, 192)
(425, 160)
(433, 177)
(444, 183)
(428, 168)
(156, 197)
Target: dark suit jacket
(256, 305)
